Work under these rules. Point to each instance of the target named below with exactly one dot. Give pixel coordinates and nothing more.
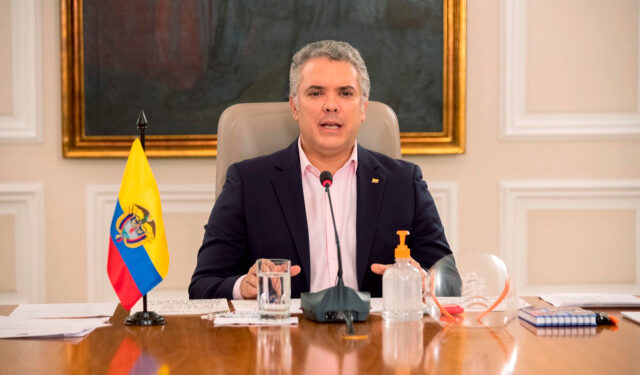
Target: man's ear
(363, 115)
(294, 110)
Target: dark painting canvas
(185, 61)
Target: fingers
(251, 280)
(415, 263)
(248, 291)
(253, 274)
(423, 273)
(276, 284)
(295, 270)
(249, 285)
(378, 268)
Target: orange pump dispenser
(402, 250)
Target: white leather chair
(252, 129)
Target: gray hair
(333, 50)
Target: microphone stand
(346, 315)
(338, 303)
(335, 231)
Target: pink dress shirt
(322, 244)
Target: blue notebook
(557, 316)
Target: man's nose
(331, 105)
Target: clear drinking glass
(274, 288)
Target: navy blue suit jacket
(261, 214)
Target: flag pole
(144, 317)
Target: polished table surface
(191, 345)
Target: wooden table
(191, 345)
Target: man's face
(329, 107)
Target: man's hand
(379, 269)
(249, 285)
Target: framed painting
(184, 62)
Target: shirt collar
(305, 164)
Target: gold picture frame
(76, 144)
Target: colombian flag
(138, 256)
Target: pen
(604, 319)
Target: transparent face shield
(471, 289)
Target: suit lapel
(369, 202)
(288, 187)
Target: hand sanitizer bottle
(402, 286)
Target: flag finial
(142, 126)
(142, 120)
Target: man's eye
(347, 93)
(314, 93)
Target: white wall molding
(25, 202)
(518, 124)
(101, 200)
(519, 197)
(445, 195)
(25, 122)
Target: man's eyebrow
(316, 87)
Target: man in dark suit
(274, 206)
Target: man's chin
(331, 149)
(327, 145)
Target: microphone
(326, 180)
(337, 303)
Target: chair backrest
(253, 129)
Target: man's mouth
(332, 125)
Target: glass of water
(274, 288)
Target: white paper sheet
(251, 305)
(64, 310)
(591, 300)
(244, 319)
(188, 307)
(632, 315)
(294, 307)
(21, 327)
(245, 305)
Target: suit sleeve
(427, 240)
(222, 258)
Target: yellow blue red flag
(138, 255)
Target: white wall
(550, 180)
